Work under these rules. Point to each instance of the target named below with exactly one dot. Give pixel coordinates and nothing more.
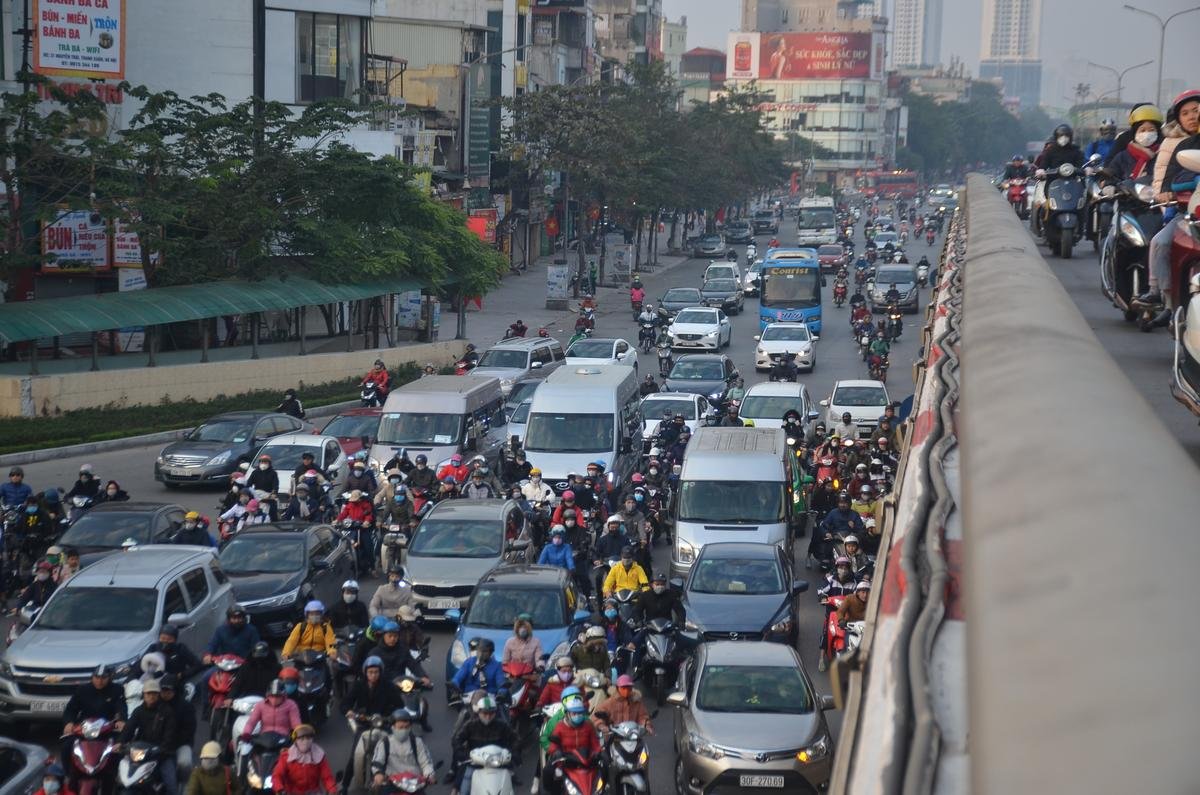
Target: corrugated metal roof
(422, 45)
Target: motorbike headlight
(1132, 231)
(136, 755)
(253, 779)
(458, 654)
(1052, 203)
(218, 459)
(685, 552)
(699, 745)
(815, 752)
(1066, 170)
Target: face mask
(522, 633)
(314, 620)
(290, 688)
(189, 525)
(566, 676)
(660, 589)
(264, 467)
(41, 576)
(557, 541)
(210, 764)
(1146, 138)
(51, 785)
(843, 573)
(394, 481)
(349, 598)
(653, 470)
(568, 523)
(1063, 140)
(31, 510)
(535, 480)
(577, 718)
(112, 492)
(639, 497)
(399, 498)
(610, 614)
(401, 734)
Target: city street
(837, 358)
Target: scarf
(313, 757)
(1141, 156)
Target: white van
(440, 415)
(583, 414)
(768, 401)
(736, 485)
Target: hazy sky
(1073, 32)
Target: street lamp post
(1121, 74)
(1162, 40)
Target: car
(902, 275)
(547, 593)
(738, 232)
(457, 543)
(708, 374)
(722, 270)
(941, 195)
(750, 279)
(22, 767)
(275, 569)
(864, 399)
(742, 591)
(699, 328)
(832, 257)
(882, 239)
(519, 420)
(710, 246)
(694, 408)
(602, 350)
(103, 529)
(779, 338)
(212, 451)
(518, 358)
(355, 429)
(679, 298)
(723, 293)
(328, 455)
(521, 391)
(110, 613)
(748, 719)
(885, 223)
(767, 402)
(766, 222)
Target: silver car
(111, 613)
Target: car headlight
(507, 382)
(712, 333)
(685, 552)
(699, 745)
(782, 627)
(219, 458)
(760, 353)
(162, 459)
(5, 670)
(122, 670)
(458, 654)
(282, 600)
(815, 752)
(1132, 231)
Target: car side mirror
(757, 337)
(453, 615)
(519, 544)
(626, 446)
(320, 565)
(799, 586)
(677, 583)
(827, 703)
(812, 415)
(677, 699)
(472, 442)
(536, 366)
(179, 620)
(825, 402)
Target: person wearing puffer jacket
(303, 768)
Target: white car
(767, 402)
(750, 280)
(780, 338)
(602, 351)
(519, 421)
(653, 407)
(700, 328)
(285, 452)
(723, 270)
(864, 399)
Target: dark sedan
(276, 568)
(707, 374)
(106, 527)
(905, 278)
(211, 452)
(679, 298)
(742, 591)
(723, 293)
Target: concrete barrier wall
(30, 396)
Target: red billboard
(814, 56)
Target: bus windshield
(791, 288)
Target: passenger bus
(890, 184)
(790, 288)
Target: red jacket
(460, 473)
(567, 738)
(557, 518)
(380, 377)
(357, 511)
(301, 778)
(552, 692)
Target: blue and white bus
(791, 288)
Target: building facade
(702, 74)
(674, 44)
(629, 30)
(1010, 47)
(916, 33)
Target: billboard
(77, 240)
(814, 56)
(79, 38)
(742, 63)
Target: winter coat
(295, 774)
(379, 700)
(157, 725)
(469, 678)
(360, 511)
(528, 651)
(390, 598)
(219, 782)
(567, 738)
(264, 480)
(394, 755)
(1173, 135)
(622, 709)
(281, 720)
(560, 555)
(353, 614)
(311, 637)
(396, 660)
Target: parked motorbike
(312, 696)
(1124, 258)
(93, 755)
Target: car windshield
(761, 689)
(257, 554)
(756, 266)
(736, 577)
(765, 215)
(691, 370)
(221, 431)
(107, 529)
(793, 287)
(731, 501)
(813, 218)
(681, 295)
(591, 349)
(778, 333)
(457, 538)
(721, 285)
(768, 407)
(696, 316)
(499, 357)
(831, 251)
(521, 415)
(885, 237)
(569, 433)
(286, 457)
(894, 276)
(522, 391)
(711, 240)
(883, 220)
(100, 610)
(420, 428)
(498, 608)
(353, 426)
(653, 409)
(859, 396)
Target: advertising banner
(483, 224)
(742, 63)
(79, 38)
(127, 252)
(76, 242)
(808, 56)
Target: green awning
(54, 317)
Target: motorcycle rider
(480, 729)
(575, 734)
(730, 420)
(314, 633)
(212, 777)
(1016, 169)
(840, 582)
(841, 521)
(112, 492)
(359, 510)
(859, 563)
(193, 531)
(41, 589)
(179, 659)
(397, 656)
(1103, 145)
(624, 703)
(16, 491)
(264, 477)
(593, 652)
(855, 607)
(879, 346)
(478, 488)
(1136, 157)
(421, 476)
(408, 617)
(648, 386)
(235, 636)
(455, 469)
(558, 552)
(304, 506)
(846, 429)
(255, 677)
(154, 722)
(88, 485)
(303, 767)
(1061, 150)
(185, 724)
(361, 479)
(537, 490)
(379, 374)
(892, 296)
(567, 506)
(99, 698)
(291, 405)
(402, 752)
(349, 612)
(515, 469)
(480, 672)
(372, 694)
(275, 713)
(564, 677)
(625, 575)
(390, 596)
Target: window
(558, 353)
(174, 602)
(332, 451)
(325, 544)
(542, 355)
(328, 56)
(218, 574)
(197, 586)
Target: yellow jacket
(311, 637)
(618, 579)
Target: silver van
(736, 485)
(440, 415)
(515, 358)
(111, 612)
(583, 414)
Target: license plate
(47, 707)
(178, 472)
(760, 781)
(443, 604)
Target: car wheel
(680, 780)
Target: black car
(738, 232)
(766, 222)
(742, 591)
(276, 568)
(723, 293)
(212, 451)
(678, 298)
(707, 374)
(106, 527)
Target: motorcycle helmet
(350, 585)
(276, 688)
(260, 651)
(421, 459)
(850, 539)
(288, 675)
(314, 606)
(1108, 126)
(235, 611)
(391, 626)
(863, 586)
(485, 704)
(405, 714)
(1191, 95)
(102, 671)
(372, 662)
(377, 624)
(842, 560)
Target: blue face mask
(577, 718)
(399, 498)
(610, 613)
(31, 510)
(639, 497)
(290, 688)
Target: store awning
(55, 317)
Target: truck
(816, 222)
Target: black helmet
(261, 650)
(289, 392)
(396, 568)
(1064, 129)
(659, 576)
(103, 670)
(379, 362)
(421, 459)
(403, 713)
(235, 610)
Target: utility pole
(1120, 75)
(1162, 40)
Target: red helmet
(288, 673)
(1190, 94)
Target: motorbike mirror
(581, 616)
(827, 703)
(799, 586)
(677, 699)
(453, 615)
(1145, 193)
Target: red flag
(795, 182)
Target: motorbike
(368, 731)
(854, 633)
(466, 364)
(878, 366)
(410, 692)
(784, 369)
(1058, 219)
(78, 507)
(242, 707)
(1101, 201)
(218, 706)
(922, 275)
(492, 771)
(313, 694)
(576, 774)
(344, 671)
(406, 782)
(665, 360)
(395, 546)
(256, 760)
(93, 755)
(626, 604)
(930, 236)
(835, 636)
(871, 254)
(586, 320)
(520, 697)
(1017, 195)
(839, 292)
(138, 770)
(662, 658)
(627, 757)
(895, 324)
(370, 395)
(646, 335)
(1124, 257)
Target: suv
(111, 613)
(212, 451)
(864, 399)
(766, 222)
(738, 232)
(512, 359)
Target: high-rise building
(916, 32)
(629, 30)
(1011, 47)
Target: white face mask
(1063, 140)
(1146, 138)
(349, 598)
(264, 466)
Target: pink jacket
(281, 720)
